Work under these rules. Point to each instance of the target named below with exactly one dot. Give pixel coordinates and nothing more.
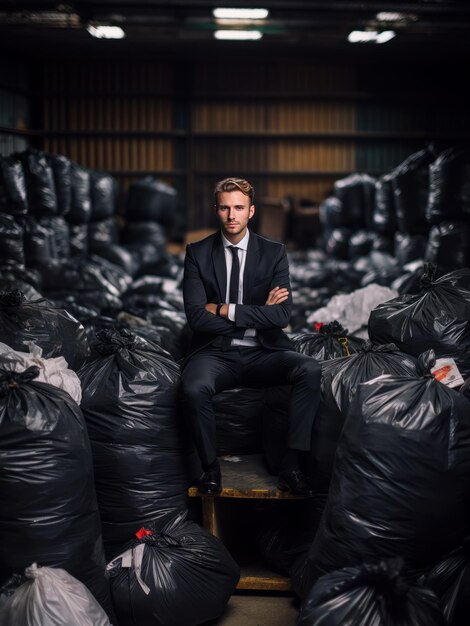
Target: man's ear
(252, 211)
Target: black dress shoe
(295, 482)
(210, 482)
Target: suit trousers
(212, 370)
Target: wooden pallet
(244, 478)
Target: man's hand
(277, 295)
(211, 307)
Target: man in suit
(237, 300)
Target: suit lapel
(220, 269)
(251, 263)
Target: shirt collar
(242, 244)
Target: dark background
(292, 112)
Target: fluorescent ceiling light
(385, 36)
(366, 36)
(106, 32)
(236, 22)
(390, 16)
(238, 35)
(395, 16)
(241, 14)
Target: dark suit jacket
(205, 280)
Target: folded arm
(195, 301)
(276, 311)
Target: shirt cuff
(231, 312)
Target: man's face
(234, 212)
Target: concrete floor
(270, 609)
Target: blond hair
(234, 184)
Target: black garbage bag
(376, 260)
(337, 245)
(11, 240)
(49, 514)
(61, 170)
(384, 277)
(330, 214)
(340, 380)
(79, 240)
(144, 233)
(238, 415)
(409, 282)
(51, 328)
(449, 186)
(360, 243)
(120, 256)
(61, 235)
(282, 534)
(175, 322)
(73, 275)
(80, 208)
(376, 594)
(331, 341)
(384, 219)
(152, 200)
(147, 285)
(13, 271)
(164, 264)
(357, 195)
(410, 182)
(448, 245)
(151, 334)
(384, 243)
(8, 284)
(130, 406)
(181, 575)
(109, 276)
(102, 234)
(438, 317)
(80, 303)
(45, 239)
(147, 255)
(39, 244)
(405, 446)
(13, 198)
(103, 194)
(409, 248)
(81, 310)
(40, 186)
(328, 279)
(450, 581)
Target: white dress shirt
(249, 338)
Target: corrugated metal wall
(292, 128)
(117, 117)
(268, 122)
(137, 118)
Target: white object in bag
(54, 371)
(51, 597)
(352, 310)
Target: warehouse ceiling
(426, 29)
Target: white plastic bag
(352, 310)
(54, 371)
(51, 597)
